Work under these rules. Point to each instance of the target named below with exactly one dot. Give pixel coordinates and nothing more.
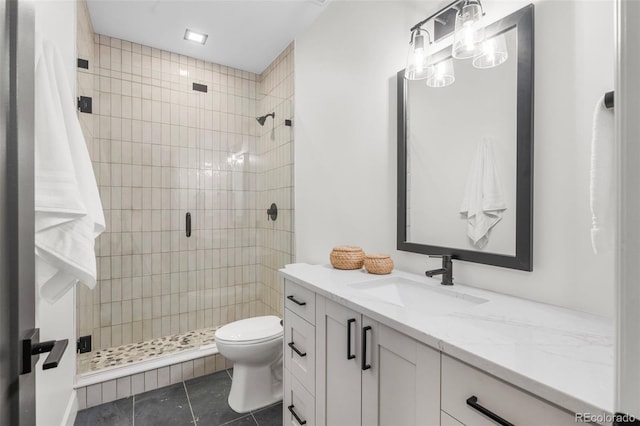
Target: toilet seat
(250, 331)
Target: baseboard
(71, 411)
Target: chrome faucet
(446, 271)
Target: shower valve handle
(272, 212)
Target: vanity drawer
(460, 382)
(298, 405)
(300, 349)
(300, 300)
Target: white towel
(68, 211)
(483, 202)
(602, 191)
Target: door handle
(296, 350)
(365, 366)
(188, 224)
(32, 346)
(294, 414)
(349, 354)
(472, 402)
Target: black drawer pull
(188, 224)
(365, 366)
(349, 354)
(296, 350)
(298, 419)
(297, 302)
(472, 402)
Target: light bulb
(469, 31)
(417, 61)
(443, 74)
(493, 52)
(419, 58)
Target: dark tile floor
(200, 401)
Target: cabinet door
(402, 386)
(338, 393)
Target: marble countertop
(561, 355)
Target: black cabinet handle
(472, 402)
(349, 354)
(365, 366)
(296, 350)
(188, 224)
(294, 414)
(297, 302)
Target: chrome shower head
(262, 119)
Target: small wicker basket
(379, 264)
(347, 257)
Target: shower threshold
(111, 363)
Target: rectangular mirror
(465, 155)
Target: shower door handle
(188, 224)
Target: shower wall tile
(86, 299)
(275, 180)
(161, 150)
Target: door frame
(17, 258)
(627, 276)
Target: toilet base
(254, 387)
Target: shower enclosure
(186, 175)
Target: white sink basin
(414, 295)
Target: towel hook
(608, 100)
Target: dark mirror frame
(522, 20)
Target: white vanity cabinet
(370, 374)
(343, 368)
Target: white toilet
(255, 347)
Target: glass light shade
(417, 59)
(469, 31)
(493, 52)
(443, 74)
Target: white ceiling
(244, 34)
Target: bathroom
(281, 137)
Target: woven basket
(379, 264)
(347, 257)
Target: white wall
(55, 397)
(345, 155)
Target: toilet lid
(254, 330)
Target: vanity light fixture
(418, 66)
(463, 18)
(195, 36)
(469, 30)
